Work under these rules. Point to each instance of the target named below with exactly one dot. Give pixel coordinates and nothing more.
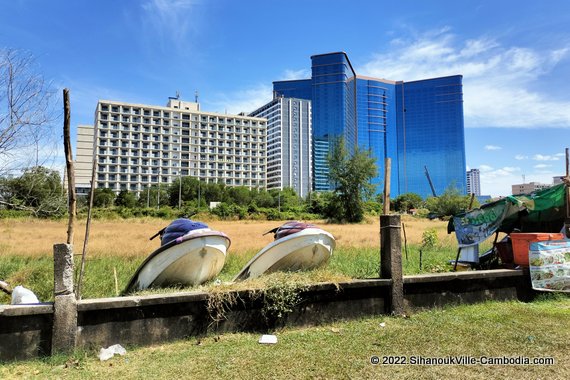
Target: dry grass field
(120, 246)
(130, 238)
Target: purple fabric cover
(178, 228)
(290, 228)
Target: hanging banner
(541, 211)
(550, 265)
(476, 226)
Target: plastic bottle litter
(22, 296)
(109, 352)
(268, 339)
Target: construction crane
(429, 180)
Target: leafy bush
(14, 214)
(429, 238)
(450, 203)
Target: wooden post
(64, 330)
(70, 171)
(405, 240)
(88, 224)
(567, 184)
(387, 175)
(471, 201)
(391, 261)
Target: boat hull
(189, 260)
(304, 250)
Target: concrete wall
(25, 331)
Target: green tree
(286, 199)
(126, 199)
(407, 201)
(350, 175)
(103, 198)
(239, 195)
(187, 192)
(213, 192)
(263, 199)
(318, 203)
(450, 203)
(38, 190)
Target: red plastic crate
(521, 242)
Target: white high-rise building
(473, 182)
(138, 146)
(289, 159)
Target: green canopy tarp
(541, 211)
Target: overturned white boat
(297, 246)
(191, 254)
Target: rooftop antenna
(196, 96)
(177, 95)
(523, 179)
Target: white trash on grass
(268, 339)
(21, 296)
(109, 352)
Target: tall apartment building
(137, 146)
(473, 182)
(416, 124)
(289, 161)
(527, 188)
(83, 159)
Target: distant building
(558, 179)
(416, 124)
(527, 188)
(473, 182)
(289, 150)
(136, 146)
(83, 159)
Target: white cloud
(296, 74)
(541, 157)
(171, 20)
(492, 147)
(242, 101)
(497, 80)
(521, 157)
(249, 99)
(497, 182)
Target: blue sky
(514, 57)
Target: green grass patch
(343, 350)
(99, 278)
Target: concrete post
(391, 260)
(65, 305)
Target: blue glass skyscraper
(332, 90)
(376, 119)
(431, 135)
(417, 124)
